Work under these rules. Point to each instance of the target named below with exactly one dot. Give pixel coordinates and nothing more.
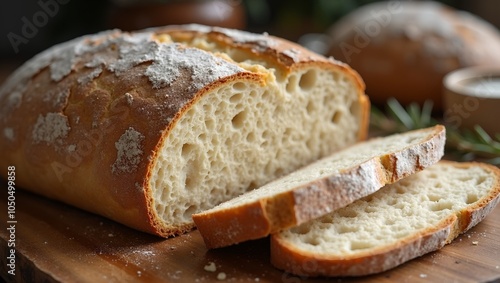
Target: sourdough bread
(149, 127)
(320, 187)
(402, 221)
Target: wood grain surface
(58, 243)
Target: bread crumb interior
(242, 135)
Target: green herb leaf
(466, 144)
(399, 113)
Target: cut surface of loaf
(321, 187)
(151, 126)
(402, 221)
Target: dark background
(288, 19)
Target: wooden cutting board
(56, 242)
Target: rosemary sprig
(477, 142)
(400, 119)
(462, 143)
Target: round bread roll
(149, 127)
(403, 49)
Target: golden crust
(83, 121)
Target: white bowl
(472, 97)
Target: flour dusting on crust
(90, 76)
(263, 40)
(8, 133)
(293, 53)
(118, 52)
(50, 128)
(16, 97)
(129, 151)
(56, 98)
(170, 60)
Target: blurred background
(61, 20)
(28, 27)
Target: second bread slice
(321, 187)
(400, 222)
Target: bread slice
(321, 187)
(402, 221)
(151, 126)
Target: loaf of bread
(402, 221)
(403, 49)
(147, 128)
(321, 187)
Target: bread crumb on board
(221, 276)
(210, 267)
